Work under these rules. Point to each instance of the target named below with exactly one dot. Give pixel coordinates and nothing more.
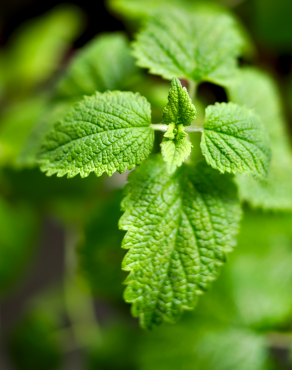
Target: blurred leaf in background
(36, 49)
(105, 63)
(100, 254)
(16, 122)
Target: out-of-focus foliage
(33, 344)
(272, 22)
(37, 48)
(16, 122)
(100, 254)
(19, 227)
(105, 63)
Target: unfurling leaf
(179, 109)
(180, 228)
(104, 133)
(174, 152)
(178, 113)
(234, 140)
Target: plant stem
(162, 127)
(192, 87)
(79, 305)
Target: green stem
(192, 88)
(162, 127)
(79, 305)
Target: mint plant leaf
(105, 63)
(197, 45)
(104, 133)
(179, 109)
(180, 228)
(257, 91)
(234, 140)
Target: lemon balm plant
(181, 216)
(200, 176)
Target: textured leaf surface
(104, 133)
(196, 45)
(179, 229)
(257, 91)
(174, 152)
(179, 109)
(103, 64)
(178, 113)
(234, 140)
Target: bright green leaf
(257, 91)
(103, 64)
(104, 133)
(178, 113)
(180, 228)
(179, 109)
(198, 45)
(234, 140)
(175, 148)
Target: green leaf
(180, 228)
(179, 109)
(197, 45)
(257, 91)
(234, 140)
(175, 152)
(104, 133)
(103, 64)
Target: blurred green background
(61, 292)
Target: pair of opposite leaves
(180, 223)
